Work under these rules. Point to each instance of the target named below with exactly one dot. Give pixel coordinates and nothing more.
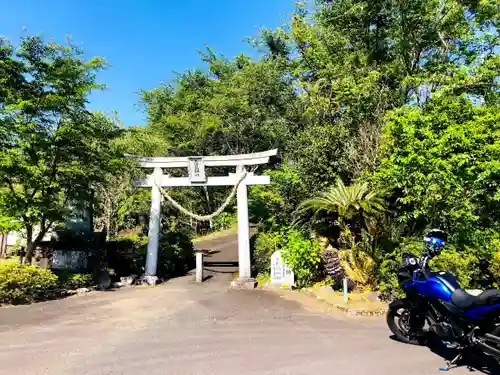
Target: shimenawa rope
(203, 217)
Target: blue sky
(143, 41)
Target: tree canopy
(52, 148)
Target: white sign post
(196, 167)
(280, 272)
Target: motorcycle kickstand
(452, 362)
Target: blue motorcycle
(436, 304)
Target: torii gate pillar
(244, 262)
(154, 225)
(196, 167)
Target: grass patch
(216, 235)
(263, 279)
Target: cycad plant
(356, 206)
(349, 202)
(357, 259)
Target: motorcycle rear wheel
(398, 320)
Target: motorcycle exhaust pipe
(492, 338)
(488, 349)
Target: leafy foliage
(300, 253)
(175, 255)
(463, 265)
(357, 262)
(224, 221)
(70, 280)
(441, 163)
(52, 148)
(25, 283)
(346, 201)
(272, 206)
(386, 115)
(399, 100)
(265, 245)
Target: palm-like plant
(346, 201)
(355, 205)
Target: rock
(82, 290)
(147, 280)
(117, 284)
(373, 296)
(128, 280)
(244, 284)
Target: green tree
(442, 165)
(52, 148)
(117, 199)
(359, 59)
(235, 107)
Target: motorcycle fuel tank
(439, 285)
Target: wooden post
(199, 266)
(346, 294)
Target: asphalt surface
(180, 327)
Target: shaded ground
(184, 328)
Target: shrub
(175, 255)
(71, 280)
(494, 268)
(300, 253)
(387, 280)
(265, 245)
(122, 254)
(25, 284)
(462, 264)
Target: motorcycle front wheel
(398, 320)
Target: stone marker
(280, 272)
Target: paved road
(221, 256)
(183, 328)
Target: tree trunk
(32, 244)
(29, 245)
(30, 249)
(91, 211)
(108, 220)
(3, 244)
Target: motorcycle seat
(464, 300)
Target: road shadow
(209, 253)
(221, 263)
(222, 267)
(473, 359)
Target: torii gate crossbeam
(196, 168)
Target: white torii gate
(197, 177)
